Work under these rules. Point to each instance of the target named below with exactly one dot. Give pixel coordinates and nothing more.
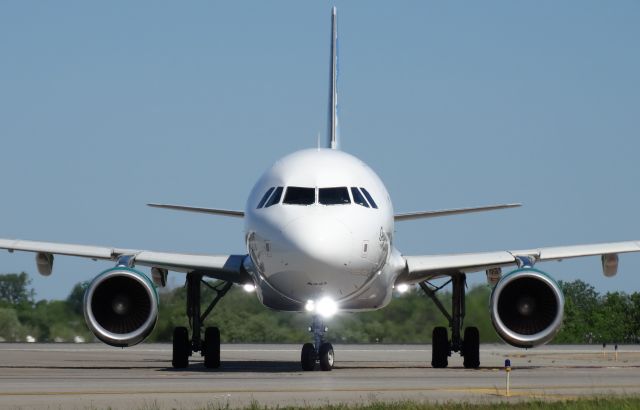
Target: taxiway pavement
(97, 376)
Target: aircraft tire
(308, 357)
(211, 348)
(471, 348)
(326, 357)
(181, 348)
(440, 348)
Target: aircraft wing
(425, 267)
(225, 267)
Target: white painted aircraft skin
(316, 251)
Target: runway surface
(97, 376)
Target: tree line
(590, 317)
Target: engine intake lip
(102, 322)
(519, 334)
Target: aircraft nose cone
(321, 243)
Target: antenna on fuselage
(333, 130)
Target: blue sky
(105, 106)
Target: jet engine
(121, 306)
(527, 308)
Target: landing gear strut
(210, 346)
(469, 345)
(319, 351)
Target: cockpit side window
(358, 198)
(334, 196)
(275, 198)
(299, 196)
(265, 197)
(369, 198)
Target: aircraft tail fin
(333, 129)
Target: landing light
(326, 307)
(310, 306)
(402, 288)
(249, 287)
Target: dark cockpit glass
(358, 198)
(299, 196)
(369, 198)
(275, 198)
(334, 196)
(265, 197)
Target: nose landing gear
(318, 352)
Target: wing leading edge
(424, 267)
(225, 267)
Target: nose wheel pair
(310, 358)
(320, 352)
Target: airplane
(319, 230)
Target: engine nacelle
(121, 306)
(527, 308)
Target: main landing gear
(469, 345)
(210, 346)
(319, 352)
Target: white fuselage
(324, 230)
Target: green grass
(587, 403)
(622, 403)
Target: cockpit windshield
(275, 198)
(300, 196)
(369, 198)
(296, 195)
(265, 197)
(358, 198)
(334, 196)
